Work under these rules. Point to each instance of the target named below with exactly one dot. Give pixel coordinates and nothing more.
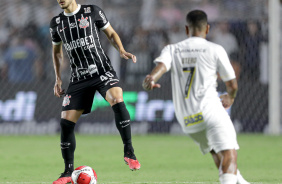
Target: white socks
(240, 179)
(228, 178)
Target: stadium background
(27, 103)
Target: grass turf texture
(164, 159)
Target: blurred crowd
(145, 27)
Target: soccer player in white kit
(194, 64)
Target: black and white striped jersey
(79, 33)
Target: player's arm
(163, 64)
(227, 74)
(116, 42)
(228, 99)
(57, 55)
(149, 82)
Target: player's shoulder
(56, 20)
(215, 46)
(216, 50)
(91, 7)
(176, 47)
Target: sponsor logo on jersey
(82, 71)
(58, 20)
(92, 69)
(83, 23)
(193, 119)
(103, 17)
(87, 10)
(72, 25)
(66, 101)
(86, 42)
(177, 50)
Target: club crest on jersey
(87, 10)
(83, 23)
(66, 101)
(58, 20)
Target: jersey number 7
(190, 73)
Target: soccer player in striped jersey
(77, 29)
(194, 64)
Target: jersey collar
(72, 13)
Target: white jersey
(194, 64)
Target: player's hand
(127, 55)
(226, 100)
(58, 91)
(149, 84)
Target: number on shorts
(102, 77)
(190, 72)
(109, 74)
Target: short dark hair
(197, 19)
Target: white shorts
(219, 134)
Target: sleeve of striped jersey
(100, 18)
(224, 66)
(165, 58)
(56, 40)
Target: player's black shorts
(80, 94)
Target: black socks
(68, 143)
(123, 125)
(122, 122)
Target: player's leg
(223, 142)
(78, 100)
(68, 143)
(224, 160)
(216, 158)
(228, 166)
(115, 97)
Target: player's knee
(117, 100)
(71, 115)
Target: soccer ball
(84, 175)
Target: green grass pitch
(164, 159)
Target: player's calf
(68, 143)
(123, 125)
(228, 166)
(123, 122)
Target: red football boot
(64, 178)
(133, 164)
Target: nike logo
(124, 126)
(62, 29)
(113, 83)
